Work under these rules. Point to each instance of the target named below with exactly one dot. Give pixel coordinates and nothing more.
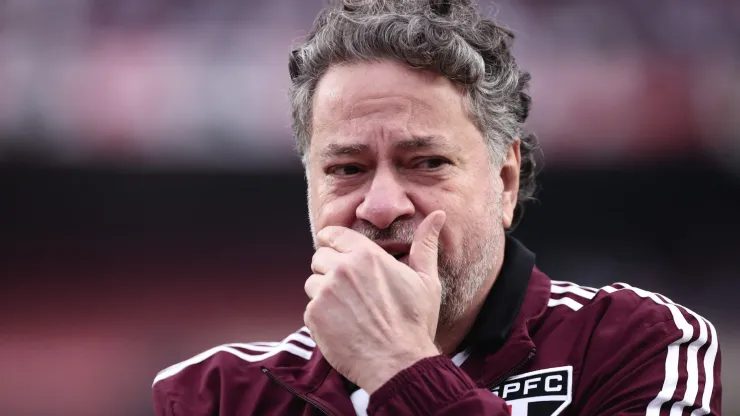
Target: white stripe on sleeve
(672, 364)
(267, 350)
(565, 302)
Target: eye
(431, 163)
(344, 170)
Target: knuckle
(317, 255)
(329, 234)
(329, 290)
(333, 289)
(366, 257)
(321, 251)
(313, 285)
(343, 269)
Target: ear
(510, 181)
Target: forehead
(352, 100)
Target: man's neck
(450, 338)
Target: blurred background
(151, 205)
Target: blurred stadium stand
(151, 205)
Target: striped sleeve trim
(298, 344)
(575, 296)
(674, 366)
(564, 288)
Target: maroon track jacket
(538, 347)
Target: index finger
(341, 239)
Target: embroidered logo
(538, 393)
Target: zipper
(295, 393)
(514, 370)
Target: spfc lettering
(538, 393)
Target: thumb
(424, 249)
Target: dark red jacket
(538, 347)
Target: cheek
(467, 203)
(470, 216)
(329, 209)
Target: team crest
(538, 393)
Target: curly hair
(452, 38)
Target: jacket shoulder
(637, 348)
(569, 300)
(629, 318)
(199, 383)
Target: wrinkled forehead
(387, 116)
(382, 92)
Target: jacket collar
(489, 367)
(500, 340)
(501, 307)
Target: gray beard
(460, 278)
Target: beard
(461, 276)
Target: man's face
(390, 145)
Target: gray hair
(452, 38)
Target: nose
(385, 201)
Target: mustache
(399, 230)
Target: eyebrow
(425, 142)
(415, 143)
(335, 150)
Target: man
(408, 118)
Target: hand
(371, 315)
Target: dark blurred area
(151, 206)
